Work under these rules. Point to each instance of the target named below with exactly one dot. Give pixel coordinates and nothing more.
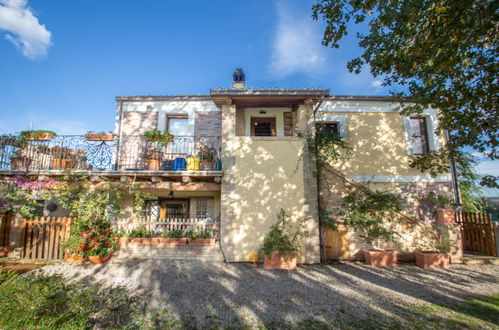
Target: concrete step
(471, 259)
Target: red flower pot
(143, 240)
(383, 258)
(429, 259)
(97, 260)
(276, 261)
(100, 136)
(202, 241)
(73, 259)
(173, 241)
(124, 240)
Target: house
(246, 158)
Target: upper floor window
(177, 125)
(329, 127)
(419, 135)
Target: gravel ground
(197, 290)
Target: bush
(49, 302)
(140, 232)
(280, 239)
(177, 233)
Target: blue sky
(63, 62)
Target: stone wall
(416, 225)
(208, 124)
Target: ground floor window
(174, 208)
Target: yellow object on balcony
(192, 164)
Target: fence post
(447, 227)
(16, 235)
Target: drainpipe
(119, 135)
(321, 228)
(455, 182)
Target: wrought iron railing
(76, 152)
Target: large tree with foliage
(443, 51)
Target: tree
(442, 51)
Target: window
(263, 126)
(150, 210)
(201, 208)
(330, 127)
(334, 122)
(177, 125)
(419, 135)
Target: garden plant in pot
(39, 135)
(207, 156)
(99, 136)
(155, 135)
(153, 159)
(281, 244)
(74, 252)
(372, 213)
(140, 235)
(200, 238)
(100, 243)
(434, 254)
(174, 237)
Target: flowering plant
(97, 241)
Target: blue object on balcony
(179, 164)
(218, 165)
(167, 165)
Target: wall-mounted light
(51, 207)
(170, 195)
(263, 112)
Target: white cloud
(30, 37)
(297, 45)
(377, 83)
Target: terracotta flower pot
(383, 258)
(143, 240)
(73, 258)
(430, 259)
(4, 251)
(153, 164)
(202, 241)
(173, 241)
(100, 137)
(124, 240)
(276, 261)
(97, 260)
(446, 216)
(60, 164)
(42, 137)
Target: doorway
(263, 126)
(174, 208)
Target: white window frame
(431, 126)
(331, 118)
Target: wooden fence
(5, 222)
(477, 232)
(43, 237)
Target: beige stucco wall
(268, 176)
(378, 145)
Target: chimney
(238, 79)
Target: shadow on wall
(268, 176)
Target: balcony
(196, 155)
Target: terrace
(133, 155)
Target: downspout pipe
(321, 228)
(120, 122)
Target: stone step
(169, 252)
(480, 260)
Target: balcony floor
(115, 173)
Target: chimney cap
(239, 75)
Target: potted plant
(123, 237)
(140, 235)
(74, 249)
(155, 135)
(18, 161)
(100, 243)
(434, 255)
(153, 159)
(61, 158)
(280, 245)
(200, 238)
(207, 156)
(99, 136)
(371, 212)
(39, 135)
(174, 237)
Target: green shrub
(177, 233)
(204, 234)
(281, 239)
(140, 232)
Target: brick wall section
(418, 225)
(208, 124)
(136, 123)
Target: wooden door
(263, 126)
(174, 208)
(336, 242)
